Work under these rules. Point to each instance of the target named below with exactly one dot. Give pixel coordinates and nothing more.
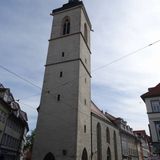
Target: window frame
(155, 108)
(66, 26)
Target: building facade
(13, 126)
(105, 137)
(130, 144)
(145, 144)
(152, 101)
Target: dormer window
(66, 26)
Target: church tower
(64, 120)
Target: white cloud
(119, 28)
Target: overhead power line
(114, 61)
(103, 66)
(19, 76)
(28, 97)
(126, 55)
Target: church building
(70, 126)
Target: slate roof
(152, 92)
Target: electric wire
(19, 76)
(28, 97)
(126, 55)
(63, 84)
(103, 66)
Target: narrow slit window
(85, 101)
(85, 128)
(62, 54)
(58, 97)
(61, 74)
(85, 32)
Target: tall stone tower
(63, 128)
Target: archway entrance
(49, 156)
(84, 155)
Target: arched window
(107, 135)
(49, 156)
(85, 32)
(84, 155)
(115, 146)
(99, 146)
(109, 154)
(66, 26)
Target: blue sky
(120, 27)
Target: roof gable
(152, 92)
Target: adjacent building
(152, 101)
(145, 144)
(105, 136)
(13, 126)
(129, 142)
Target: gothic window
(66, 26)
(49, 156)
(85, 32)
(108, 154)
(107, 135)
(84, 155)
(115, 146)
(99, 147)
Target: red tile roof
(152, 92)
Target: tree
(30, 141)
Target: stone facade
(65, 111)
